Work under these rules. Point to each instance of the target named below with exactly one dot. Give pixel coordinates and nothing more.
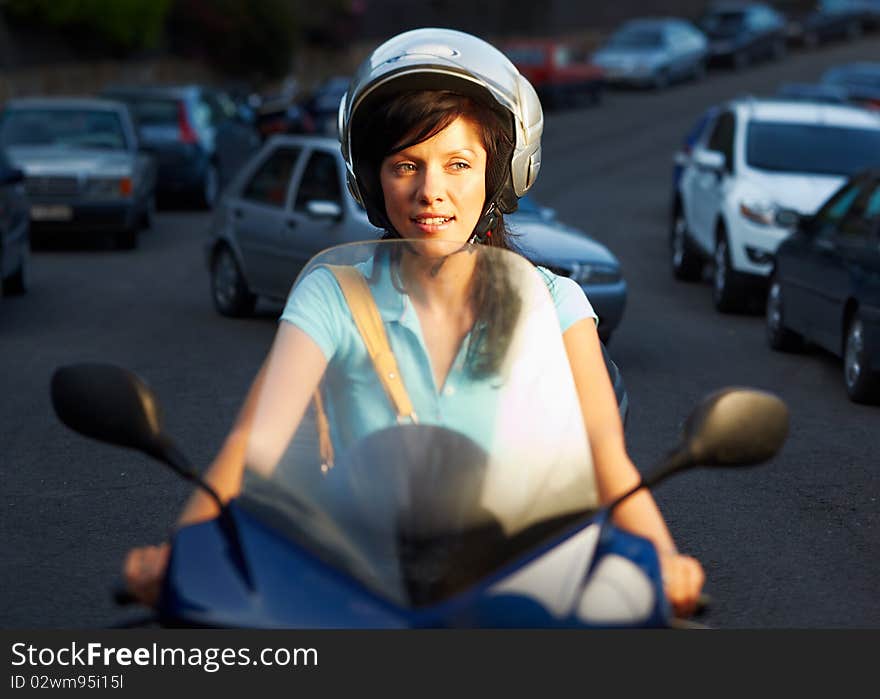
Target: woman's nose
(431, 186)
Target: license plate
(51, 213)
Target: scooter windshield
(416, 424)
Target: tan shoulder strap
(369, 324)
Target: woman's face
(436, 188)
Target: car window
(5, 165)
(832, 212)
(761, 18)
(834, 150)
(150, 111)
(725, 23)
(872, 208)
(320, 181)
(270, 182)
(636, 37)
(214, 108)
(859, 222)
(721, 138)
(73, 128)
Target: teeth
(433, 221)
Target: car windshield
(854, 77)
(833, 150)
(724, 24)
(153, 111)
(490, 458)
(75, 128)
(637, 38)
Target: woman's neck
(439, 283)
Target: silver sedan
(291, 201)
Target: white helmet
(445, 59)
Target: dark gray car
(198, 136)
(83, 169)
(291, 201)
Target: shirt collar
(393, 305)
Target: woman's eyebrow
(456, 151)
(461, 150)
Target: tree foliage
(242, 37)
(123, 24)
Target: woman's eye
(404, 167)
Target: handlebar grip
(122, 596)
(704, 601)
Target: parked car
(291, 201)
(860, 80)
(322, 105)
(83, 169)
(15, 244)
(653, 52)
(741, 33)
(196, 133)
(755, 158)
(561, 74)
(570, 252)
(825, 284)
(830, 20)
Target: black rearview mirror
(115, 406)
(788, 218)
(731, 427)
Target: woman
(441, 135)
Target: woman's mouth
(432, 224)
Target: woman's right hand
(144, 569)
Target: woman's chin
(437, 245)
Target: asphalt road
(792, 544)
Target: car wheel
(229, 289)
(726, 293)
(862, 384)
(687, 264)
(148, 219)
(779, 337)
(19, 281)
(741, 60)
(210, 187)
(699, 70)
(811, 40)
(127, 239)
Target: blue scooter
(464, 518)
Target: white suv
(754, 158)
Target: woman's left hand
(683, 580)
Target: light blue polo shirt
(355, 402)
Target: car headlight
(587, 274)
(761, 212)
(596, 274)
(109, 187)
